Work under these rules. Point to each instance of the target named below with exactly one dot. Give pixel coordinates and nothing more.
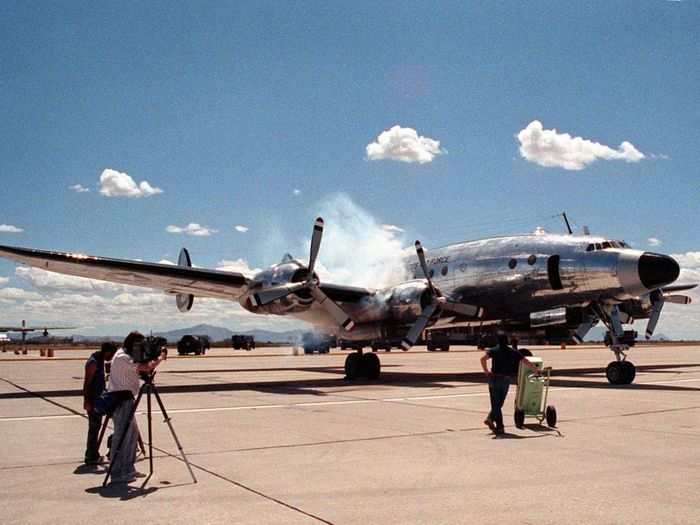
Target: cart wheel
(551, 415)
(519, 418)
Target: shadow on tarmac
(563, 378)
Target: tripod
(150, 388)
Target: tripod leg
(172, 431)
(102, 432)
(150, 430)
(120, 441)
(142, 447)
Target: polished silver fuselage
(510, 277)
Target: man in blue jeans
(504, 367)
(93, 386)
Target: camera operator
(124, 379)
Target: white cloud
(296, 192)
(192, 228)
(8, 228)
(236, 265)
(690, 260)
(4, 281)
(551, 149)
(79, 188)
(653, 241)
(240, 228)
(405, 145)
(392, 228)
(17, 294)
(116, 184)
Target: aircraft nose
(656, 270)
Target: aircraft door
(566, 273)
(553, 272)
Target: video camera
(148, 349)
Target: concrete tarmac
(280, 438)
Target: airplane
(524, 281)
(24, 329)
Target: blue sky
(228, 108)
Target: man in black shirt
(504, 366)
(93, 386)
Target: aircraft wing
(345, 294)
(34, 328)
(170, 278)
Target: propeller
(437, 302)
(274, 293)
(657, 304)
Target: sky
(131, 129)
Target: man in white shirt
(124, 378)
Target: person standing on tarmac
(124, 380)
(504, 366)
(93, 386)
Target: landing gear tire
(614, 372)
(353, 366)
(550, 415)
(620, 372)
(371, 366)
(519, 418)
(629, 371)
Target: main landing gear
(359, 365)
(620, 371)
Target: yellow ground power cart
(531, 395)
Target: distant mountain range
(215, 333)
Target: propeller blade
(657, 303)
(315, 244)
(468, 310)
(424, 265)
(678, 299)
(269, 295)
(418, 327)
(338, 314)
(585, 327)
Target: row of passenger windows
(530, 260)
(595, 246)
(431, 273)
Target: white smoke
(357, 249)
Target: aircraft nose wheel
(620, 372)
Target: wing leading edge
(170, 278)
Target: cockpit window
(605, 245)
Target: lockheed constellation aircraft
(512, 282)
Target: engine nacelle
(399, 305)
(287, 272)
(408, 300)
